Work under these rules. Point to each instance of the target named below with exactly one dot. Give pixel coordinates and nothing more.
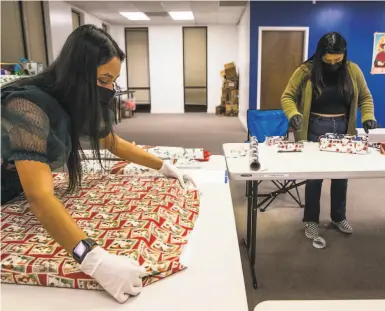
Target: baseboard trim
(243, 120)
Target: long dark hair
(72, 80)
(332, 43)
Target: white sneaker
(311, 230)
(343, 226)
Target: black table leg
(252, 213)
(249, 191)
(253, 242)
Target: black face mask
(105, 95)
(332, 68)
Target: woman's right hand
(120, 276)
(296, 122)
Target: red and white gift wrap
(289, 146)
(146, 218)
(344, 143)
(273, 140)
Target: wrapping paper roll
(253, 154)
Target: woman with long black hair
(322, 96)
(42, 121)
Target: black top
(34, 127)
(331, 100)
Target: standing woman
(321, 97)
(42, 121)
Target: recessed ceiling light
(135, 16)
(182, 16)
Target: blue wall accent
(356, 21)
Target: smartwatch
(82, 249)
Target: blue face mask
(105, 95)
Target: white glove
(172, 171)
(120, 276)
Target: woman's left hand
(370, 125)
(172, 171)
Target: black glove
(296, 122)
(370, 125)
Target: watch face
(80, 249)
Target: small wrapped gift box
(289, 146)
(273, 140)
(344, 143)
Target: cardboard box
(232, 84)
(231, 71)
(225, 94)
(232, 108)
(218, 110)
(234, 95)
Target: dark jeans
(317, 127)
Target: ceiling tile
(204, 6)
(148, 6)
(170, 6)
(205, 12)
(206, 17)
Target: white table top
(375, 135)
(216, 162)
(321, 305)
(308, 164)
(213, 280)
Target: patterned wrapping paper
(344, 143)
(273, 140)
(289, 146)
(282, 144)
(162, 152)
(146, 218)
(131, 169)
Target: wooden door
(282, 53)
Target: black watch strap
(81, 250)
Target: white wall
(244, 65)
(166, 64)
(222, 48)
(58, 20)
(165, 53)
(117, 33)
(166, 69)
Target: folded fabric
(146, 218)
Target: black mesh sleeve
(34, 126)
(25, 130)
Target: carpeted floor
(288, 267)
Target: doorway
(280, 51)
(138, 68)
(195, 69)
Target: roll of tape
(382, 147)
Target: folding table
(202, 286)
(308, 164)
(321, 305)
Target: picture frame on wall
(378, 60)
